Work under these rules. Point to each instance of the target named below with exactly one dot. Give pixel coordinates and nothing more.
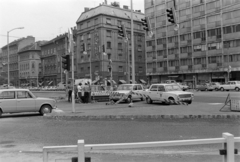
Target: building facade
(29, 61)
(206, 46)
(98, 27)
(52, 51)
(14, 48)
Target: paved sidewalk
(100, 110)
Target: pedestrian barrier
(232, 104)
(175, 102)
(228, 141)
(123, 97)
(100, 96)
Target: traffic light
(171, 15)
(66, 62)
(122, 31)
(146, 24)
(103, 49)
(110, 66)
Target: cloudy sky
(45, 19)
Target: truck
(231, 85)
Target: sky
(45, 19)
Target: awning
(142, 81)
(112, 81)
(122, 81)
(135, 81)
(175, 76)
(95, 81)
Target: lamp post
(132, 42)
(8, 51)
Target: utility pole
(132, 40)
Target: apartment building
(29, 61)
(14, 48)
(206, 46)
(51, 60)
(99, 26)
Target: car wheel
(216, 89)
(222, 89)
(149, 101)
(189, 102)
(171, 100)
(206, 89)
(45, 109)
(142, 99)
(237, 89)
(0, 112)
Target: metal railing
(227, 151)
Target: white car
(166, 92)
(23, 100)
(125, 89)
(231, 85)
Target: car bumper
(185, 99)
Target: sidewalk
(142, 110)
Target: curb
(132, 117)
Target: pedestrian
(80, 92)
(86, 93)
(69, 94)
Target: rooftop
(111, 11)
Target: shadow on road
(20, 115)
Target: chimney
(86, 9)
(125, 7)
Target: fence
(228, 151)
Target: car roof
(164, 84)
(129, 84)
(14, 89)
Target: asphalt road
(24, 137)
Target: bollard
(75, 159)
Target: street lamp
(8, 51)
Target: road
(23, 136)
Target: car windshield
(125, 87)
(172, 88)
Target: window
(23, 94)
(109, 45)
(199, 48)
(96, 21)
(120, 46)
(109, 33)
(198, 9)
(213, 5)
(214, 32)
(214, 46)
(7, 95)
(108, 21)
(120, 68)
(161, 41)
(198, 21)
(154, 88)
(200, 34)
(119, 22)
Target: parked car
(215, 85)
(23, 100)
(205, 87)
(231, 85)
(163, 92)
(183, 86)
(124, 89)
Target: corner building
(204, 48)
(99, 26)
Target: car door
(160, 91)
(25, 102)
(232, 86)
(153, 92)
(8, 101)
(134, 96)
